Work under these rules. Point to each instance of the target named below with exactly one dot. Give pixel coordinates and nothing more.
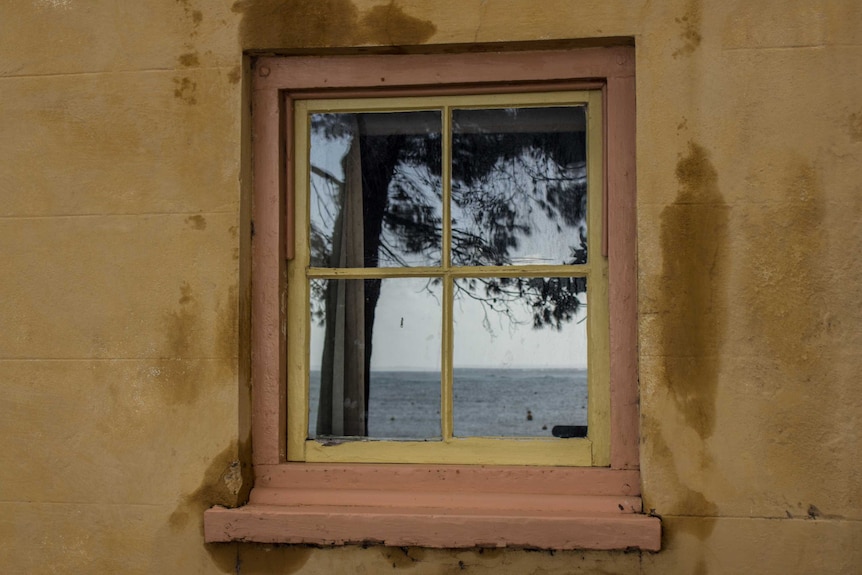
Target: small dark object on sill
(569, 431)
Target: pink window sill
(443, 507)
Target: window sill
(443, 507)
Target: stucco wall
(123, 294)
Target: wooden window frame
(592, 450)
(427, 504)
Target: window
(470, 284)
(405, 208)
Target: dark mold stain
(274, 24)
(690, 23)
(185, 89)
(694, 271)
(189, 60)
(198, 222)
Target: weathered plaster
(125, 230)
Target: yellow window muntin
(591, 451)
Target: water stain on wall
(275, 24)
(197, 222)
(795, 317)
(180, 375)
(223, 484)
(281, 559)
(690, 23)
(227, 327)
(185, 89)
(785, 289)
(189, 60)
(190, 12)
(692, 284)
(182, 371)
(688, 502)
(403, 557)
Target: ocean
(487, 402)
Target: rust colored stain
(297, 23)
(692, 284)
(690, 24)
(197, 222)
(189, 60)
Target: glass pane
(519, 186)
(520, 356)
(375, 358)
(375, 189)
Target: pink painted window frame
(444, 505)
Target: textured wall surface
(124, 288)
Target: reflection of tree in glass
(509, 181)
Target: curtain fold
(342, 409)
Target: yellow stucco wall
(123, 293)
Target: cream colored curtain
(342, 393)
